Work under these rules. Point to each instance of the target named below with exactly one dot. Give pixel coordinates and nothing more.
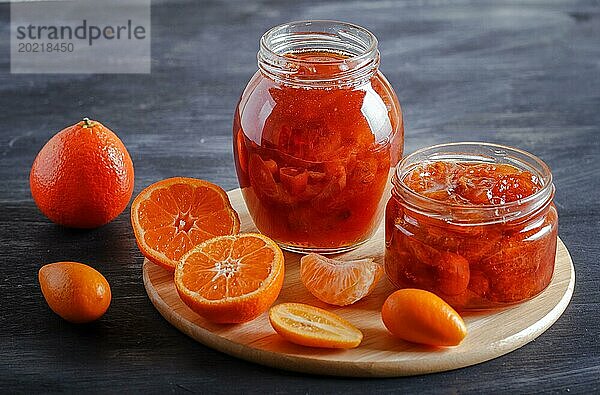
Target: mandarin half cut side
(231, 279)
(172, 216)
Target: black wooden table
(518, 73)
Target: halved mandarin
(172, 216)
(231, 279)
(314, 327)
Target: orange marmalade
(316, 134)
(473, 223)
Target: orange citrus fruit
(231, 279)
(172, 216)
(339, 282)
(74, 291)
(422, 317)
(314, 327)
(83, 176)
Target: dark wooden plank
(525, 74)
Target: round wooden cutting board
(379, 355)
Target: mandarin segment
(339, 282)
(199, 235)
(220, 249)
(246, 246)
(183, 195)
(231, 279)
(164, 199)
(216, 223)
(206, 202)
(153, 216)
(171, 216)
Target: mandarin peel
(83, 177)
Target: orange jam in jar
(474, 223)
(316, 134)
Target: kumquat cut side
(313, 327)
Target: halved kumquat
(314, 327)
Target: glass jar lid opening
(348, 52)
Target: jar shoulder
(265, 103)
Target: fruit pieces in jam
(471, 266)
(472, 183)
(313, 175)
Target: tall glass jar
(473, 256)
(316, 133)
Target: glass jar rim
(357, 44)
(521, 159)
(269, 35)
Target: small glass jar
(315, 136)
(475, 257)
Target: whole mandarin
(83, 176)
